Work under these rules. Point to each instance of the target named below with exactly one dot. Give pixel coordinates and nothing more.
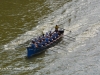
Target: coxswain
(56, 28)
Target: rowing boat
(33, 51)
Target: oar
(69, 36)
(68, 30)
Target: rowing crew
(44, 40)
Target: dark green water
(18, 17)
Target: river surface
(77, 54)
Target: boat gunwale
(42, 49)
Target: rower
(46, 34)
(39, 44)
(43, 42)
(50, 33)
(36, 40)
(39, 38)
(54, 36)
(42, 37)
(33, 45)
(47, 39)
(50, 39)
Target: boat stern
(61, 31)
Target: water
(72, 56)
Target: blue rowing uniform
(33, 46)
(46, 34)
(42, 37)
(56, 34)
(53, 37)
(47, 40)
(43, 43)
(50, 39)
(39, 45)
(39, 38)
(36, 40)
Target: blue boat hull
(33, 51)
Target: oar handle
(70, 37)
(68, 30)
